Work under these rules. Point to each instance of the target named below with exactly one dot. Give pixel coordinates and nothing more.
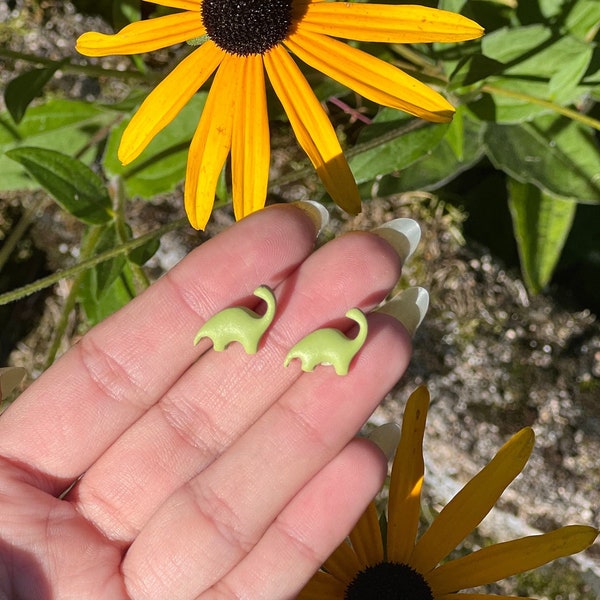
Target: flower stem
(117, 188)
(90, 242)
(45, 282)
(567, 112)
(67, 65)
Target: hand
(202, 474)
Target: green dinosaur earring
(329, 346)
(239, 324)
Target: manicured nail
(316, 211)
(10, 377)
(403, 235)
(387, 438)
(409, 307)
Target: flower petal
(509, 558)
(185, 4)
(250, 154)
(313, 129)
(366, 538)
(143, 36)
(466, 510)
(403, 24)
(167, 99)
(322, 586)
(343, 564)
(212, 141)
(369, 76)
(404, 504)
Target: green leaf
(583, 20)
(460, 149)
(557, 155)
(107, 271)
(397, 153)
(62, 125)
(21, 90)
(472, 69)
(162, 164)
(144, 253)
(541, 224)
(111, 284)
(455, 135)
(537, 63)
(565, 80)
(71, 183)
(97, 305)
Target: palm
(181, 455)
(54, 538)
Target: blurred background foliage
(521, 156)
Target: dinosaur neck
(267, 295)
(357, 315)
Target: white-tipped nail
(10, 377)
(316, 211)
(409, 307)
(387, 438)
(402, 234)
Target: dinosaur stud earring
(329, 346)
(239, 324)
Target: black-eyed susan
(245, 38)
(407, 568)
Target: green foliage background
(522, 153)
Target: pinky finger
(308, 529)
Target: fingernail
(316, 211)
(403, 235)
(409, 307)
(386, 437)
(10, 377)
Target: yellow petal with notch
(404, 24)
(250, 150)
(502, 560)
(143, 36)
(468, 508)
(369, 76)
(312, 128)
(166, 100)
(212, 141)
(404, 505)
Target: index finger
(75, 411)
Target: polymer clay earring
(330, 346)
(239, 324)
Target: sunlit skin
(247, 40)
(205, 474)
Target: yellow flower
(361, 568)
(245, 38)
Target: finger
(72, 414)
(217, 518)
(224, 393)
(308, 529)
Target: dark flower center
(388, 581)
(246, 27)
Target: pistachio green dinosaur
(239, 324)
(329, 346)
